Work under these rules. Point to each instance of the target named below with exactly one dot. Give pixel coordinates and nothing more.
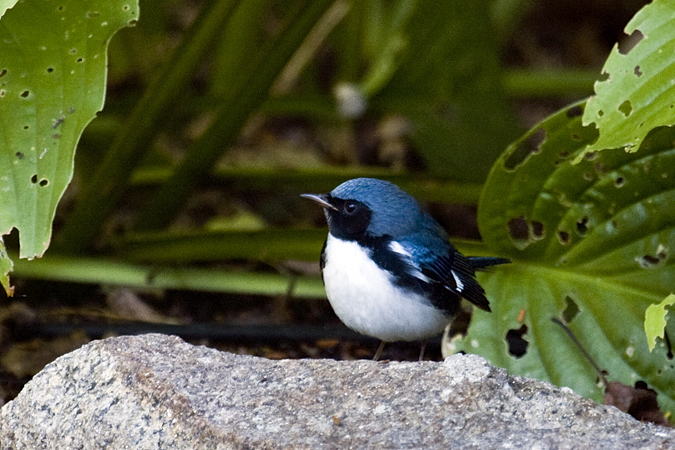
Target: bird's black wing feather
(481, 262)
(457, 274)
(434, 267)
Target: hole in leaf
(79, 60)
(570, 311)
(563, 237)
(649, 260)
(25, 127)
(19, 155)
(637, 71)
(25, 94)
(518, 229)
(59, 8)
(590, 156)
(44, 182)
(669, 355)
(582, 226)
(3, 72)
(587, 176)
(575, 111)
(537, 230)
(2, 93)
(601, 113)
(524, 232)
(652, 261)
(575, 137)
(626, 108)
(34, 179)
(72, 51)
(620, 181)
(50, 69)
(517, 344)
(525, 149)
(629, 42)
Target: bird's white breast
(365, 299)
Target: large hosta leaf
(593, 245)
(52, 83)
(639, 92)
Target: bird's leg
(378, 353)
(423, 347)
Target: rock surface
(155, 391)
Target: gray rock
(155, 391)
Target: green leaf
(593, 245)
(639, 93)
(5, 5)
(133, 140)
(655, 320)
(46, 100)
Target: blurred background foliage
(219, 113)
(256, 101)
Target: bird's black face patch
(349, 220)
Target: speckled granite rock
(155, 391)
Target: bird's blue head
(370, 207)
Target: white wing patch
(396, 247)
(458, 283)
(414, 270)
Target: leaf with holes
(639, 92)
(46, 101)
(593, 245)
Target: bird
(388, 268)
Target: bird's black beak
(321, 199)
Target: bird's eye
(350, 207)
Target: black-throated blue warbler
(388, 267)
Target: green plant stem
(109, 183)
(529, 83)
(251, 93)
(114, 272)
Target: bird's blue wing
(446, 272)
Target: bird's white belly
(364, 298)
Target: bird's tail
(481, 262)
